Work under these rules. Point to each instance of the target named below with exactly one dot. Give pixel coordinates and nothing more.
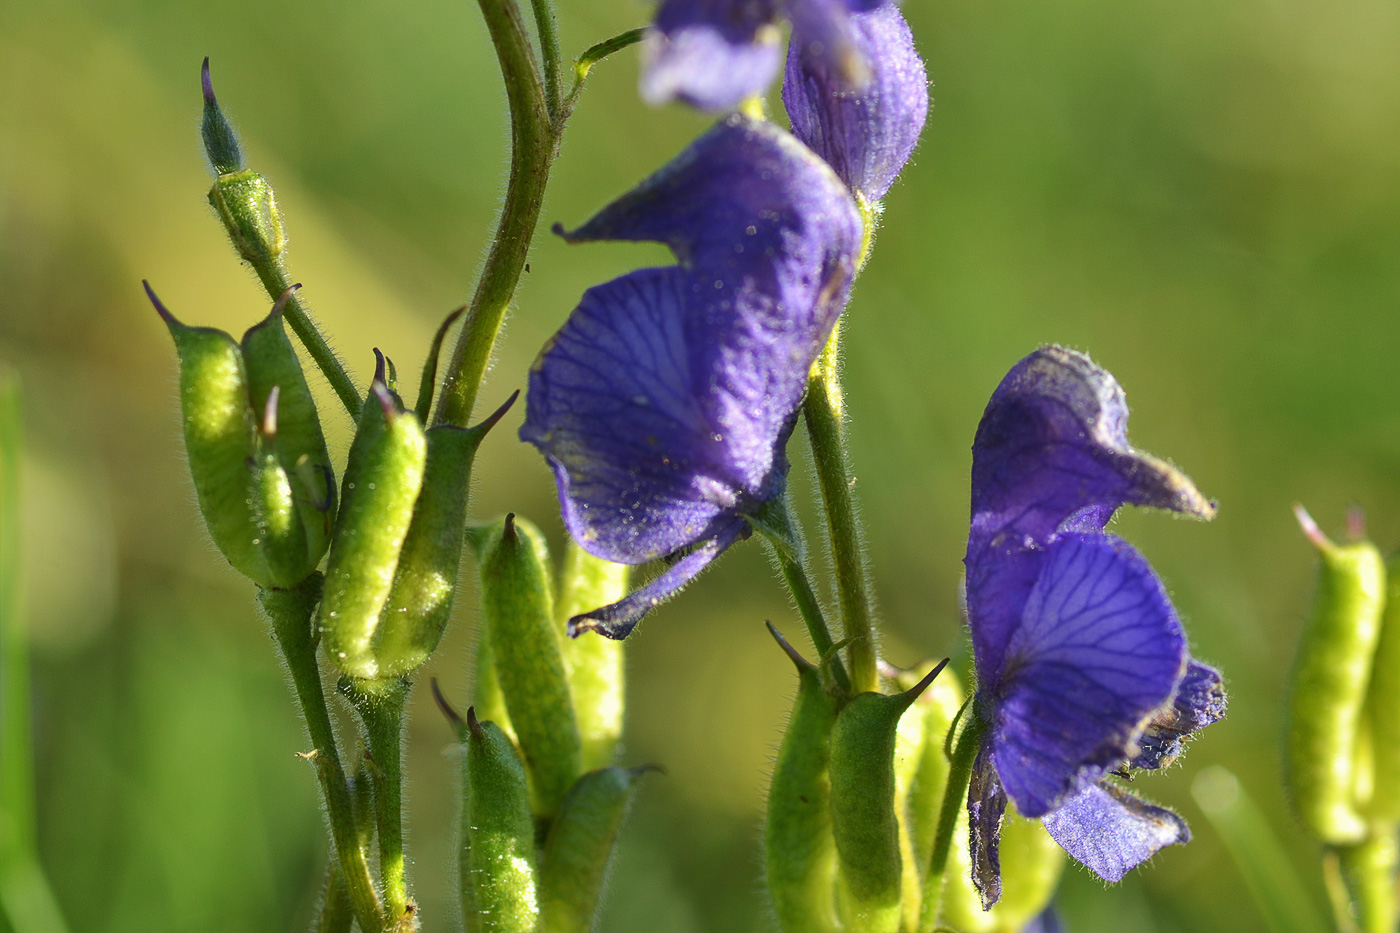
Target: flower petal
(1200, 701)
(866, 131)
(654, 444)
(1052, 453)
(1098, 650)
(1110, 831)
(618, 619)
(711, 54)
(746, 203)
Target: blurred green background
(1204, 195)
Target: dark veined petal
(1111, 832)
(746, 203)
(618, 620)
(711, 54)
(865, 129)
(616, 407)
(1098, 650)
(1052, 453)
(1199, 701)
(986, 805)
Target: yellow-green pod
(500, 883)
(1383, 708)
(597, 676)
(280, 529)
(420, 602)
(1031, 866)
(799, 849)
(279, 392)
(249, 211)
(220, 439)
(864, 820)
(382, 479)
(517, 608)
(1330, 684)
(579, 845)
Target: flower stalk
(290, 612)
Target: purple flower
(1082, 665)
(865, 132)
(713, 54)
(666, 400)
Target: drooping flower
(1082, 666)
(665, 402)
(866, 132)
(713, 54)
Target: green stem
(274, 279)
(336, 914)
(824, 413)
(381, 707)
(1368, 869)
(534, 142)
(954, 799)
(291, 612)
(592, 56)
(811, 611)
(545, 28)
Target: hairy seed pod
(864, 820)
(579, 845)
(799, 850)
(1383, 709)
(220, 439)
(500, 857)
(597, 676)
(1330, 684)
(290, 425)
(382, 479)
(517, 609)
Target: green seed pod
(220, 439)
(597, 676)
(500, 848)
(293, 446)
(517, 609)
(1383, 709)
(863, 815)
(579, 845)
(249, 211)
(1330, 684)
(799, 850)
(927, 772)
(382, 480)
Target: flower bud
(863, 816)
(1329, 686)
(1383, 708)
(597, 677)
(383, 476)
(579, 845)
(799, 850)
(499, 877)
(517, 608)
(220, 141)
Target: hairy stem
(534, 142)
(381, 708)
(290, 612)
(824, 413)
(954, 799)
(274, 279)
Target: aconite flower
(1082, 665)
(665, 402)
